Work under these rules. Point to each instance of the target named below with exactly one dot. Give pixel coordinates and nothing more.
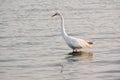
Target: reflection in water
(77, 56)
(74, 57)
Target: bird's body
(72, 42)
(76, 44)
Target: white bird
(74, 43)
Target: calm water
(31, 46)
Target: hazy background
(31, 46)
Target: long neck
(64, 34)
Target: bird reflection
(77, 56)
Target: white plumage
(74, 43)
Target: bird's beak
(54, 15)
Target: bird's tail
(91, 44)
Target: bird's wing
(83, 43)
(73, 42)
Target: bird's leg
(74, 50)
(77, 50)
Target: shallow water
(31, 47)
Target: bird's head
(55, 14)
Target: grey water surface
(31, 46)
